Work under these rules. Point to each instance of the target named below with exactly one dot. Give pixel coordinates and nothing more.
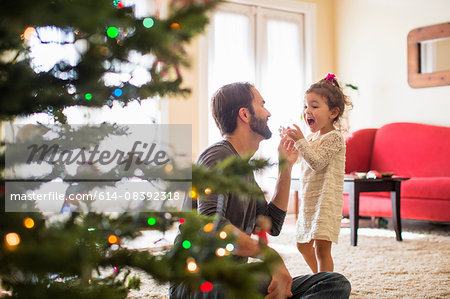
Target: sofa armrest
(359, 150)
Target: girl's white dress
(322, 164)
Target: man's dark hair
(226, 103)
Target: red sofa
(418, 151)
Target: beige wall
(371, 53)
(326, 40)
(186, 111)
(364, 43)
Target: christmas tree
(78, 252)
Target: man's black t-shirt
(241, 213)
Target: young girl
(322, 164)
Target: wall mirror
(429, 56)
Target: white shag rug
(379, 267)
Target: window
(270, 47)
(51, 45)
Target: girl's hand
(296, 134)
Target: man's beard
(259, 125)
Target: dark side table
(354, 186)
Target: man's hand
(280, 286)
(281, 283)
(287, 150)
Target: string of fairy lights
(16, 238)
(13, 240)
(112, 32)
(191, 264)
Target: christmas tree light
(191, 266)
(112, 32)
(206, 287)
(186, 244)
(208, 227)
(221, 252)
(28, 222)
(192, 193)
(29, 33)
(112, 239)
(12, 239)
(118, 92)
(229, 247)
(223, 235)
(148, 22)
(151, 221)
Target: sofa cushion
(411, 208)
(426, 188)
(413, 150)
(437, 188)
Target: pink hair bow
(330, 77)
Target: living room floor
(412, 226)
(414, 268)
(416, 226)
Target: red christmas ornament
(263, 225)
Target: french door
(264, 46)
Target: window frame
(310, 50)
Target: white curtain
(266, 47)
(231, 53)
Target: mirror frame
(416, 79)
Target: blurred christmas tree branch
(72, 254)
